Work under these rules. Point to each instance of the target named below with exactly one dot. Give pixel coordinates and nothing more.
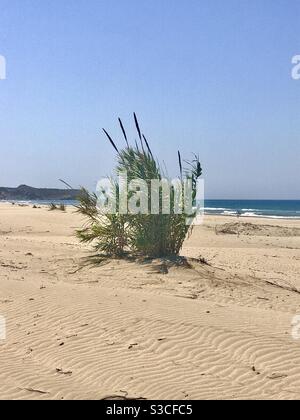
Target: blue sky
(205, 76)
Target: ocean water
(275, 209)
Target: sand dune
(255, 229)
(148, 329)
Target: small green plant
(153, 235)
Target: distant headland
(24, 192)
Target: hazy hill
(24, 192)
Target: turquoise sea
(255, 208)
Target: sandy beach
(217, 327)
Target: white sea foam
(250, 214)
(251, 210)
(215, 208)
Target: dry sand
(149, 330)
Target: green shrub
(53, 207)
(153, 235)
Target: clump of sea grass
(153, 235)
(60, 207)
(52, 207)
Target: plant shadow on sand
(197, 276)
(159, 264)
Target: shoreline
(25, 203)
